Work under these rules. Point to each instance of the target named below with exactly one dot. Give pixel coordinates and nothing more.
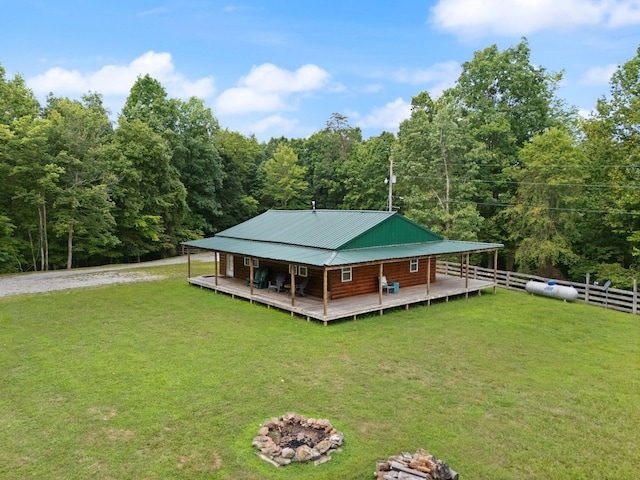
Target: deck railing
(613, 298)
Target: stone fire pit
(296, 438)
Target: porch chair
(386, 286)
(281, 278)
(260, 277)
(300, 288)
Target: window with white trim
(247, 262)
(413, 265)
(302, 271)
(347, 274)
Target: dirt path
(87, 277)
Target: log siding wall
(364, 278)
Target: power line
(510, 182)
(544, 207)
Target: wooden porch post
(324, 290)
(251, 276)
(293, 286)
(466, 278)
(188, 262)
(461, 260)
(216, 259)
(495, 269)
(380, 273)
(428, 275)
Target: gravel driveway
(87, 277)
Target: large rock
(288, 452)
(337, 439)
(303, 453)
(324, 445)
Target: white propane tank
(552, 289)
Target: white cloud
(274, 123)
(624, 13)
(598, 76)
(241, 100)
(387, 117)
(439, 72)
(270, 88)
(437, 78)
(523, 17)
(118, 79)
(269, 78)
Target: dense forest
(497, 157)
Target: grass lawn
(158, 380)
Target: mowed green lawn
(158, 380)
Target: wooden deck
(445, 287)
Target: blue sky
(275, 68)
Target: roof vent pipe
(313, 205)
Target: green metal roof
(333, 238)
(330, 229)
(330, 258)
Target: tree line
(498, 157)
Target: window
(347, 274)
(298, 270)
(413, 265)
(247, 262)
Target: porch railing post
(586, 288)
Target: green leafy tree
(16, 99)
(18, 219)
(148, 102)
(323, 154)
(284, 185)
(437, 161)
(34, 176)
(507, 101)
(543, 219)
(82, 212)
(621, 115)
(241, 158)
(200, 168)
(365, 171)
(150, 199)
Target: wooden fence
(613, 298)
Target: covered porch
(316, 308)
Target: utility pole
(391, 180)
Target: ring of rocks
(297, 438)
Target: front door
(229, 265)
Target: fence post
(635, 296)
(586, 288)
(508, 278)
